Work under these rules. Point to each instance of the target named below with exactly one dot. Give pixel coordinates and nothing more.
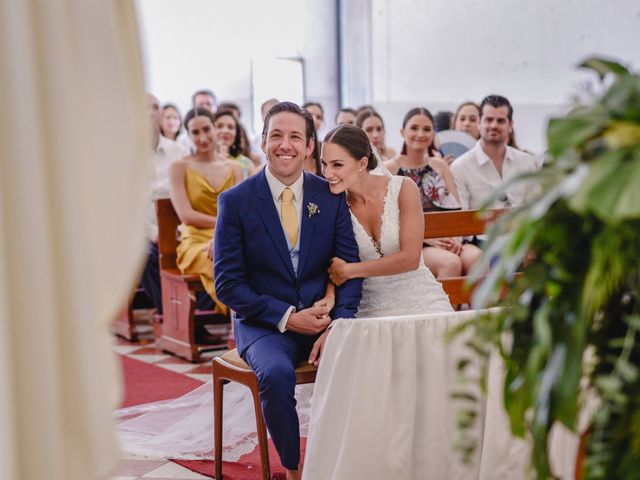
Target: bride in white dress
(388, 224)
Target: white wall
(401, 54)
(439, 53)
(194, 44)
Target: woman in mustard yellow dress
(194, 185)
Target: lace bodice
(402, 294)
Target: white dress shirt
(476, 177)
(277, 187)
(166, 152)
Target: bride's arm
(411, 235)
(329, 299)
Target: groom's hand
(309, 321)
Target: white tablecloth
(382, 407)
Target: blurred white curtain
(73, 178)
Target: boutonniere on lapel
(312, 209)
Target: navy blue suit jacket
(252, 269)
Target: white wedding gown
(183, 428)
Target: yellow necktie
(289, 216)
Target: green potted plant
(570, 324)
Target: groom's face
(286, 146)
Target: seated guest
(312, 162)
(346, 115)
(371, 122)
(445, 257)
(256, 145)
(442, 121)
(171, 123)
(317, 112)
(164, 151)
(229, 139)
(232, 107)
(200, 99)
(467, 119)
(195, 182)
(245, 144)
(205, 99)
(484, 168)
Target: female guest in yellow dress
(194, 185)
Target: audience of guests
(221, 157)
(171, 122)
(484, 168)
(445, 257)
(195, 182)
(371, 122)
(467, 119)
(346, 116)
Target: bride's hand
(328, 301)
(338, 271)
(318, 347)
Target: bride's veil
(380, 168)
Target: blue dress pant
(274, 358)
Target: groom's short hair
(291, 107)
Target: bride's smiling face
(340, 169)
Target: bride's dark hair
(353, 140)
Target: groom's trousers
(274, 358)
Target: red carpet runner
(147, 383)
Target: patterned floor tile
(148, 358)
(175, 367)
(137, 468)
(125, 349)
(204, 368)
(174, 471)
(200, 376)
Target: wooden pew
(127, 323)
(458, 223)
(179, 315)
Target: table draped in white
(382, 407)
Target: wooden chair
(231, 367)
(179, 316)
(458, 223)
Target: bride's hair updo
(353, 140)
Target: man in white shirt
(484, 168)
(163, 152)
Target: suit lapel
(308, 222)
(269, 215)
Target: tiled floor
(133, 468)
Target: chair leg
(261, 428)
(217, 420)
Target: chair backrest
(458, 223)
(168, 222)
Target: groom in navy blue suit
(275, 235)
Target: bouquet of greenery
(571, 319)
